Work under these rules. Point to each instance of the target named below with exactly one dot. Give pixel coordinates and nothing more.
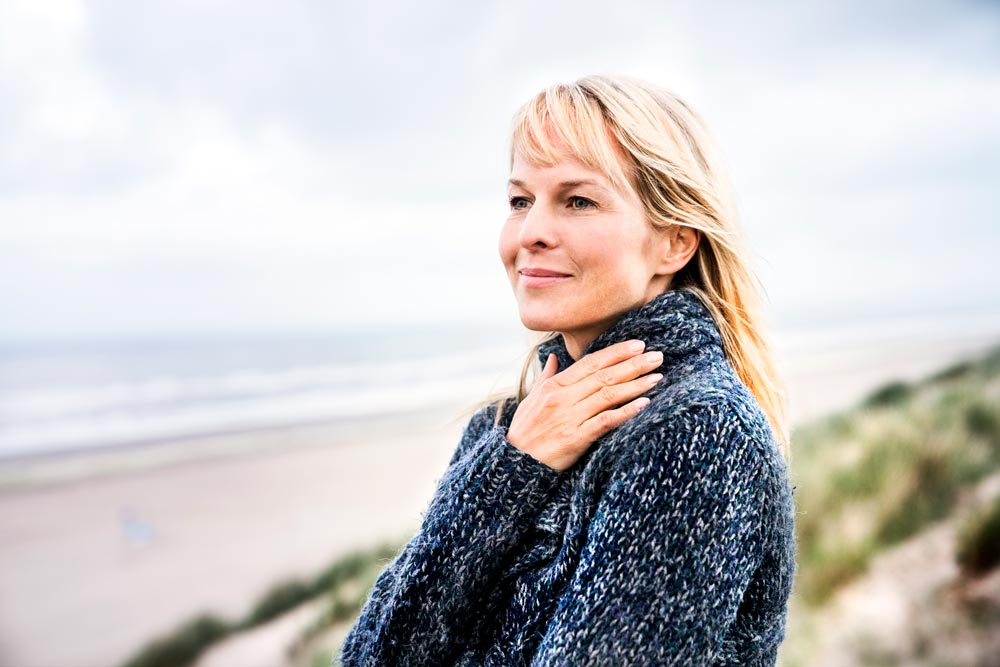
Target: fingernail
(654, 356)
(636, 346)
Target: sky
(219, 167)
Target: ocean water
(58, 396)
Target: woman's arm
(421, 605)
(671, 549)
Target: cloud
(259, 159)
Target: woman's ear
(677, 245)
(687, 242)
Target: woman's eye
(576, 203)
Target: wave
(57, 418)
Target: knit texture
(669, 542)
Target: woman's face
(567, 219)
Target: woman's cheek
(507, 244)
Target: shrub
(322, 658)
(978, 548)
(869, 476)
(981, 419)
(954, 372)
(991, 362)
(354, 565)
(930, 495)
(891, 394)
(829, 570)
(279, 599)
(184, 645)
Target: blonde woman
(634, 506)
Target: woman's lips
(542, 281)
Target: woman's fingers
(595, 361)
(551, 368)
(612, 396)
(605, 381)
(602, 422)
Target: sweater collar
(675, 322)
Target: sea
(59, 396)
(68, 395)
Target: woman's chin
(535, 322)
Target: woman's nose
(537, 226)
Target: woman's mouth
(541, 278)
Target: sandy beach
(101, 552)
(92, 568)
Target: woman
(633, 507)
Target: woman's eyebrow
(565, 185)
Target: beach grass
(345, 583)
(978, 549)
(879, 472)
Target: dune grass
(978, 548)
(184, 645)
(881, 471)
(345, 582)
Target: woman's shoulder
(720, 385)
(483, 419)
(707, 413)
(485, 416)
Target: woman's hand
(564, 413)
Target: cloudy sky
(216, 166)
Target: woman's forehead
(599, 153)
(551, 142)
(567, 168)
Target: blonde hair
(678, 175)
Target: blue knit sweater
(669, 542)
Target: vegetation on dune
(880, 472)
(184, 645)
(979, 541)
(345, 582)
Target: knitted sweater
(669, 542)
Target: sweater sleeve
(421, 606)
(674, 541)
